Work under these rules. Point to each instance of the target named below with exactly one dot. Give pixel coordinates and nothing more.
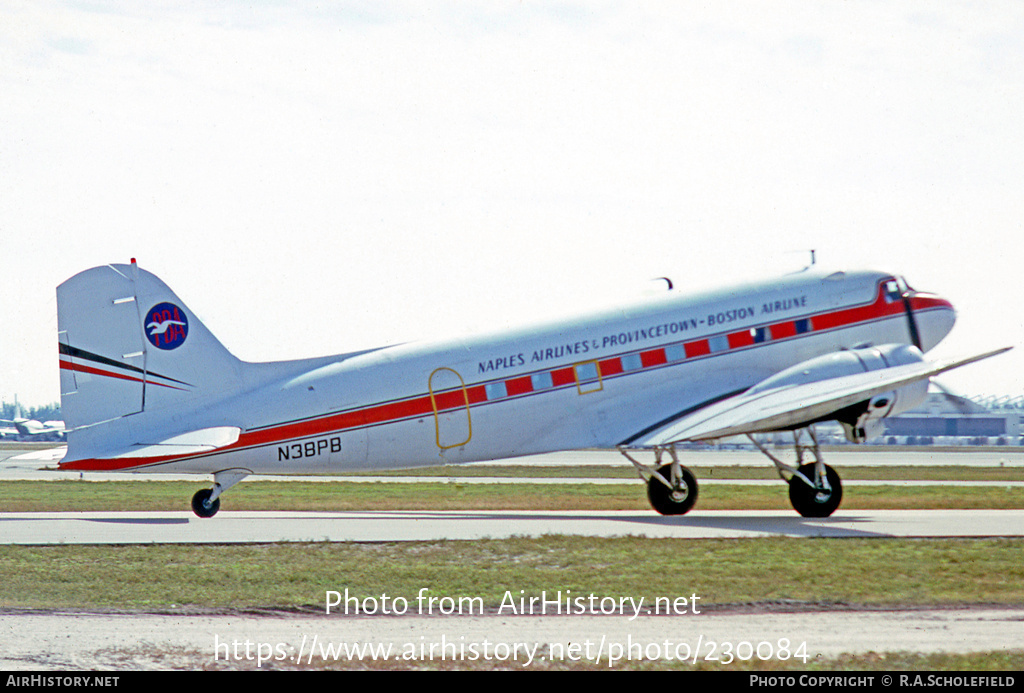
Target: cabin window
(542, 381)
(719, 343)
(675, 352)
(803, 326)
(586, 371)
(496, 390)
(631, 362)
(588, 377)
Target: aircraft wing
(760, 410)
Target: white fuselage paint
(631, 369)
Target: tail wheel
(201, 504)
(815, 502)
(677, 500)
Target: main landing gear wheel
(201, 504)
(815, 502)
(677, 500)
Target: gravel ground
(78, 641)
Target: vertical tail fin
(128, 344)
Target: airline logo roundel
(166, 326)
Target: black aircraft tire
(811, 503)
(197, 503)
(668, 502)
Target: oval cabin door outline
(450, 401)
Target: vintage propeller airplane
(30, 429)
(145, 387)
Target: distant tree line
(49, 412)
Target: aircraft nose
(935, 317)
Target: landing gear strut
(671, 488)
(206, 502)
(815, 489)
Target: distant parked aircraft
(30, 429)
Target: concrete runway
(261, 527)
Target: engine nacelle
(861, 421)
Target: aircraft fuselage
(597, 381)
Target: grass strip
(626, 472)
(809, 571)
(55, 496)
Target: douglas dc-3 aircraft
(145, 387)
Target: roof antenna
(814, 259)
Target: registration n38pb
(310, 448)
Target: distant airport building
(942, 419)
(947, 419)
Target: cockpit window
(893, 292)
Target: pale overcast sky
(314, 178)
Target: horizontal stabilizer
(760, 409)
(191, 443)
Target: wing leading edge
(784, 402)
